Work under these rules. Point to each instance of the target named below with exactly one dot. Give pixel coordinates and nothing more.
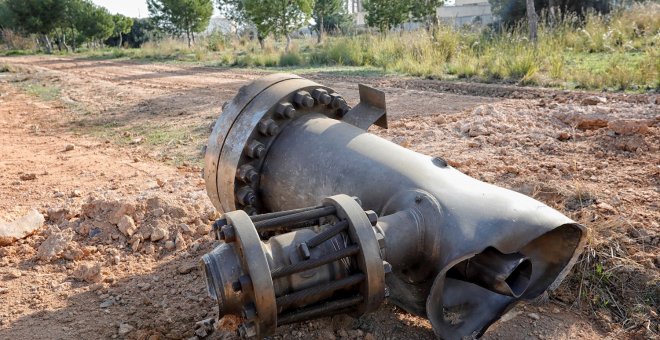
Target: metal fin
(370, 111)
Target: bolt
(357, 199)
(245, 282)
(373, 217)
(247, 174)
(217, 227)
(247, 330)
(268, 127)
(303, 99)
(381, 239)
(250, 210)
(285, 110)
(387, 267)
(338, 103)
(439, 162)
(303, 249)
(236, 286)
(321, 96)
(246, 196)
(255, 149)
(249, 311)
(228, 233)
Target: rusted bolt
(303, 99)
(248, 174)
(321, 96)
(246, 283)
(247, 330)
(338, 103)
(246, 196)
(228, 233)
(255, 149)
(303, 250)
(268, 127)
(285, 110)
(249, 311)
(373, 217)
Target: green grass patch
(42, 91)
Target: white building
(461, 12)
(466, 12)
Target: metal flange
(248, 126)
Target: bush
(290, 59)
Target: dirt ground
(109, 152)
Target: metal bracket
(370, 111)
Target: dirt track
(137, 130)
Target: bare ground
(137, 129)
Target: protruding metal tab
(370, 111)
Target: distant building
(462, 12)
(466, 12)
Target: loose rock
(124, 329)
(55, 244)
(593, 100)
(20, 228)
(127, 226)
(89, 272)
(69, 147)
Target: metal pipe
(327, 234)
(313, 263)
(298, 217)
(262, 217)
(311, 294)
(328, 308)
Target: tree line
(70, 23)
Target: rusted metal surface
(445, 245)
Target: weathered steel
(461, 251)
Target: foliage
(424, 10)
(386, 14)
(278, 17)
(36, 16)
(329, 15)
(96, 23)
(234, 11)
(181, 16)
(123, 25)
(6, 16)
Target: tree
(95, 23)
(512, 11)
(38, 17)
(123, 25)
(6, 16)
(181, 16)
(532, 20)
(386, 14)
(328, 14)
(278, 17)
(425, 11)
(234, 11)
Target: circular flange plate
(256, 265)
(368, 259)
(222, 126)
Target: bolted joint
(228, 234)
(303, 99)
(255, 150)
(321, 96)
(246, 196)
(339, 103)
(217, 227)
(247, 330)
(268, 127)
(249, 311)
(285, 110)
(248, 174)
(303, 250)
(373, 217)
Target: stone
(169, 245)
(76, 193)
(135, 244)
(127, 226)
(628, 127)
(605, 208)
(69, 147)
(20, 228)
(179, 242)
(593, 100)
(89, 272)
(124, 329)
(58, 214)
(564, 136)
(107, 303)
(159, 233)
(533, 316)
(28, 177)
(56, 243)
(186, 268)
(4, 290)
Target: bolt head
(373, 217)
(228, 233)
(247, 330)
(303, 99)
(249, 311)
(285, 110)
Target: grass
(42, 91)
(620, 51)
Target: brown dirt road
(136, 131)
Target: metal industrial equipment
(322, 217)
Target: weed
(44, 92)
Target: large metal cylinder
(461, 251)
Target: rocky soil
(102, 222)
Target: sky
(131, 8)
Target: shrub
(290, 59)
